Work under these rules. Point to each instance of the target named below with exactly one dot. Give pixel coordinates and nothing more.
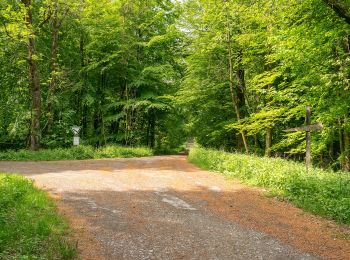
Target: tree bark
(152, 130)
(340, 133)
(268, 142)
(83, 110)
(308, 140)
(240, 76)
(268, 136)
(35, 131)
(346, 163)
(234, 96)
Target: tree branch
(6, 31)
(339, 9)
(60, 21)
(47, 18)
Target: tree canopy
(231, 74)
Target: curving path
(165, 208)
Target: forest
(229, 74)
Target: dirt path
(165, 208)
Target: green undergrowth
(76, 153)
(30, 227)
(320, 192)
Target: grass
(320, 192)
(75, 153)
(30, 227)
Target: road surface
(165, 208)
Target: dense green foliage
(320, 192)
(253, 67)
(76, 153)
(30, 225)
(231, 74)
(111, 67)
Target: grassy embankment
(76, 153)
(320, 192)
(30, 226)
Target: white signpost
(76, 131)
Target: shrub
(75, 153)
(321, 192)
(112, 151)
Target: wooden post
(307, 128)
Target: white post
(76, 138)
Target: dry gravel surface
(165, 208)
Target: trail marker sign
(308, 128)
(76, 131)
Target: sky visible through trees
(231, 74)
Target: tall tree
(35, 130)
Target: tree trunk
(255, 144)
(268, 142)
(127, 116)
(35, 131)
(152, 120)
(346, 163)
(268, 136)
(101, 101)
(346, 151)
(331, 146)
(54, 67)
(234, 96)
(240, 75)
(308, 140)
(340, 133)
(82, 108)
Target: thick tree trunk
(35, 131)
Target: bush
(75, 153)
(320, 192)
(112, 151)
(30, 225)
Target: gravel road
(165, 208)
